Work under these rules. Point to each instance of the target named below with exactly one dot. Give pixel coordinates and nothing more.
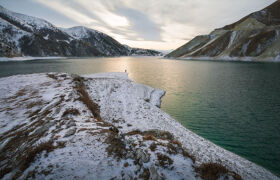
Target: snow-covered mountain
(22, 35)
(254, 37)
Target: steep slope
(105, 43)
(142, 52)
(100, 41)
(32, 36)
(254, 37)
(22, 35)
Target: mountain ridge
(23, 35)
(254, 37)
(269, 16)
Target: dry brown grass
(176, 142)
(132, 133)
(21, 157)
(173, 147)
(85, 98)
(164, 160)
(82, 129)
(104, 124)
(52, 76)
(186, 154)
(19, 93)
(20, 150)
(153, 147)
(33, 104)
(116, 146)
(92, 106)
(71, 111)
(36, 112)
(147, 100)
(212, 171)
(157, 134)
(145, 174)
(31, 153)
(149, 138)
(126, 164)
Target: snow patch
(46, 37)
(79, 32)
(28, 58)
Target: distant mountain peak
(80, 31)
(32, 23)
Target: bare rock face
(141, 156)
(254, 37)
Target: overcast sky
(155, 24)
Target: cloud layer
(156, 24)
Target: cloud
(142, 24)
(157, 24)
(38, 10)
(69, 11)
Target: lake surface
(236, 105)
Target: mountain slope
(254, 37)
(22, 35)
(105, 43)
(100, 41)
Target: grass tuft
(71, 111)
(212, 171)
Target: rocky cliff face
(254, 37)
(22, 35)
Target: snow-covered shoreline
(230, 59)
(85, 119)
(28, 58)
(31, 58)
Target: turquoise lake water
(236, 105)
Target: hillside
(22, 35)
(254, 37)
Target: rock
(70, 132)
(43, 129)
(138, 168)
(154, 174)
(128, 141)
(114, 129)
(141, 156)
(129, 155)
(71, 124)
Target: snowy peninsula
(102, 126)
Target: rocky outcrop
(254, 37)
(22, 35)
